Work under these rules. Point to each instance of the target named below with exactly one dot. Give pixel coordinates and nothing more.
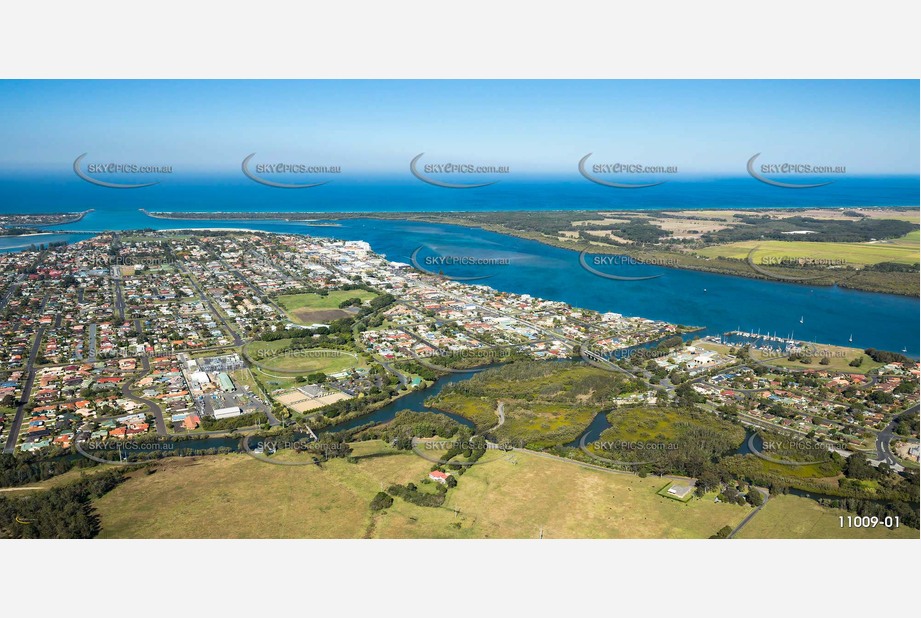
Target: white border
(460, 39)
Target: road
(255, 289)
(119, 299)
(391, 369)
(884, 439)
(748, 518)
(597, 360)
(237, 340)
(152, 407)
(13, 435)
(9, 293)
(500, 412)
(91, 357)
(273, 421)
(481, 352)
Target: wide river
(718, 302)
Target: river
(720, 303)
(414, 401)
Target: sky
(534, 127)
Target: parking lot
(246, 401)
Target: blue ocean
(375, 194)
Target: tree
(858, 467)
(381, 501)
(707, 480)
(881, 397)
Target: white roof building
(227, 412)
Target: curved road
(152, 407)
(884, 438)
(500, 412)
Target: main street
(9, 293)
(237, 340)
(119, 299)
(16, 425)
(249, 284)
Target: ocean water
(237, 193)
(718, 302)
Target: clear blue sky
(710, 127)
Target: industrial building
(227, 412)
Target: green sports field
(292, 302)
(319, 308)
(278, 356)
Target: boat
(800, 319)
(851, 338)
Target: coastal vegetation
(64, 512)
(544, 404)
(407, 425)
(236, 422)
(24, 468)
(852, 483)
(668, 440)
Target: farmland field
(518, 495)
(904, 250)
(794, 517)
